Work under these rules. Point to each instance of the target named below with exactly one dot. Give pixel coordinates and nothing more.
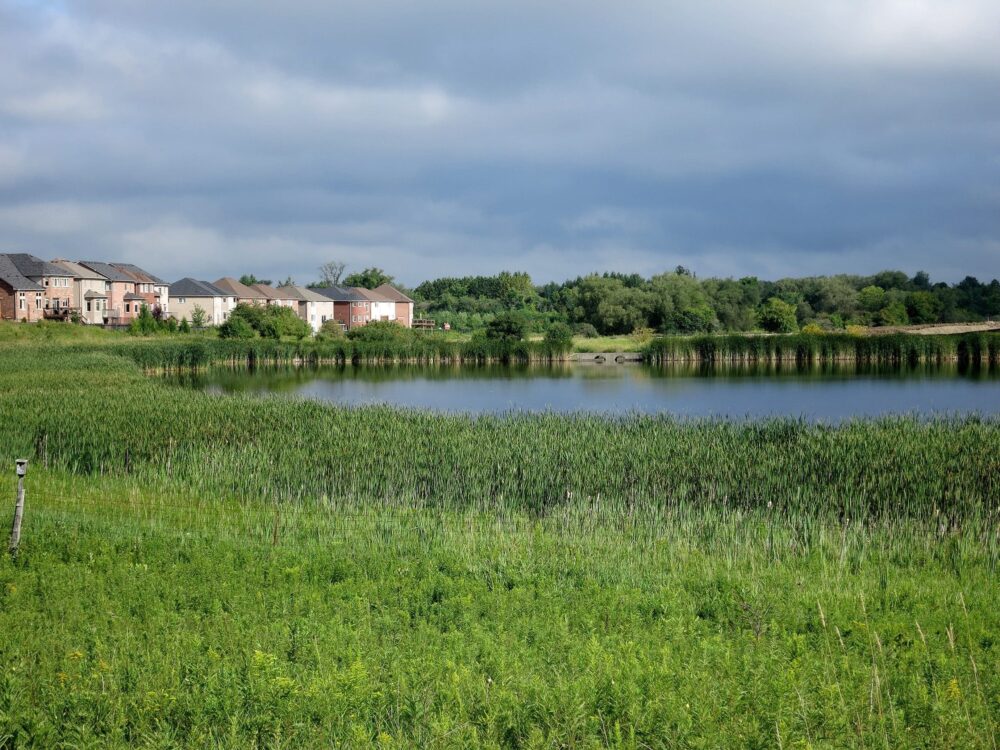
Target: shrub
(559, 338)
(237, 328)
(506, 327)
(381, 330)
(585, 330)
(778, 316)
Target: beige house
(244, 294)
(275, 297)
(313, 308)
(90, 293)
(189, 295)
(403, 304)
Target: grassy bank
(204, 571)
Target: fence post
(15, 531)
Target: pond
(829, 392)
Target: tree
(331, 272)
(289, 281)
(369, 278)
(249, 279)
(923, 307)
(184, 327)
(199, 317)
(272, 322)
(237, 328)
(778, 316)
(559, 337)
(506, 327)
(872, 298)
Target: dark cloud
(452, 137)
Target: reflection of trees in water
(284, 379)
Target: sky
(734, 137)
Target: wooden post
(15, 531)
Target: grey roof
(132, 296)
(95, 295)
(78, 271)
(14, 278)
(140, 275)
(189, 287)
(340, 293)
(33, 267)
(107, 270)
(392, 293)
(370, 295)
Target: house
(90, 294)
(155, 292)
(350, 308)
(189, 295)
(404, 305)
(274, 297)
(244, 294)
(314, 308)
(381, 307)
(56, 283)
(118, 285)
(20, 297)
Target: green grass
(203, 571)
(610, 344)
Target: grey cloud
(451, 138)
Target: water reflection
(830, 390)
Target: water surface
(829, 392)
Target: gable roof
(107, 270)
(270, 292)
(33, 267)
(144, 277)
(339, 293)
(241, 291)
(302, 294)
(370, 295)
(392, 293)
(78, 271)
(188, 287)
(15, 279)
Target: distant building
(350, 308)
(189, 294)
(90, 294)
(404, 305)
(315, 309)
(20, 297)
(245, 295)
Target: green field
(204, 571)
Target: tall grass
(204, 571)
(897, 348)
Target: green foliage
(559, 337)
(778, 316)
(249, 279)
(255, 579)
(506, 327)
(199, 318)
(237, 327)
(184, 326)
(370, 278)
(271, 321)
(381, 330)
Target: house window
(127, 309)
(21, 301)
(182, 300)
(88, 307)
(38, 302)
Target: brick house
(20, 297)
(350, 308)
(273, 297)
(89, 291)
(56, 283)
(118, 286)
(404, 305)
(154, 291)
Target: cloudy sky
(449, 138)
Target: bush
(778, 316)
(272, 322)
(237, 328)
(330, 331)
(813, 329)
(559, 338)
(381, 330)
(506, 327)
(585, 330)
